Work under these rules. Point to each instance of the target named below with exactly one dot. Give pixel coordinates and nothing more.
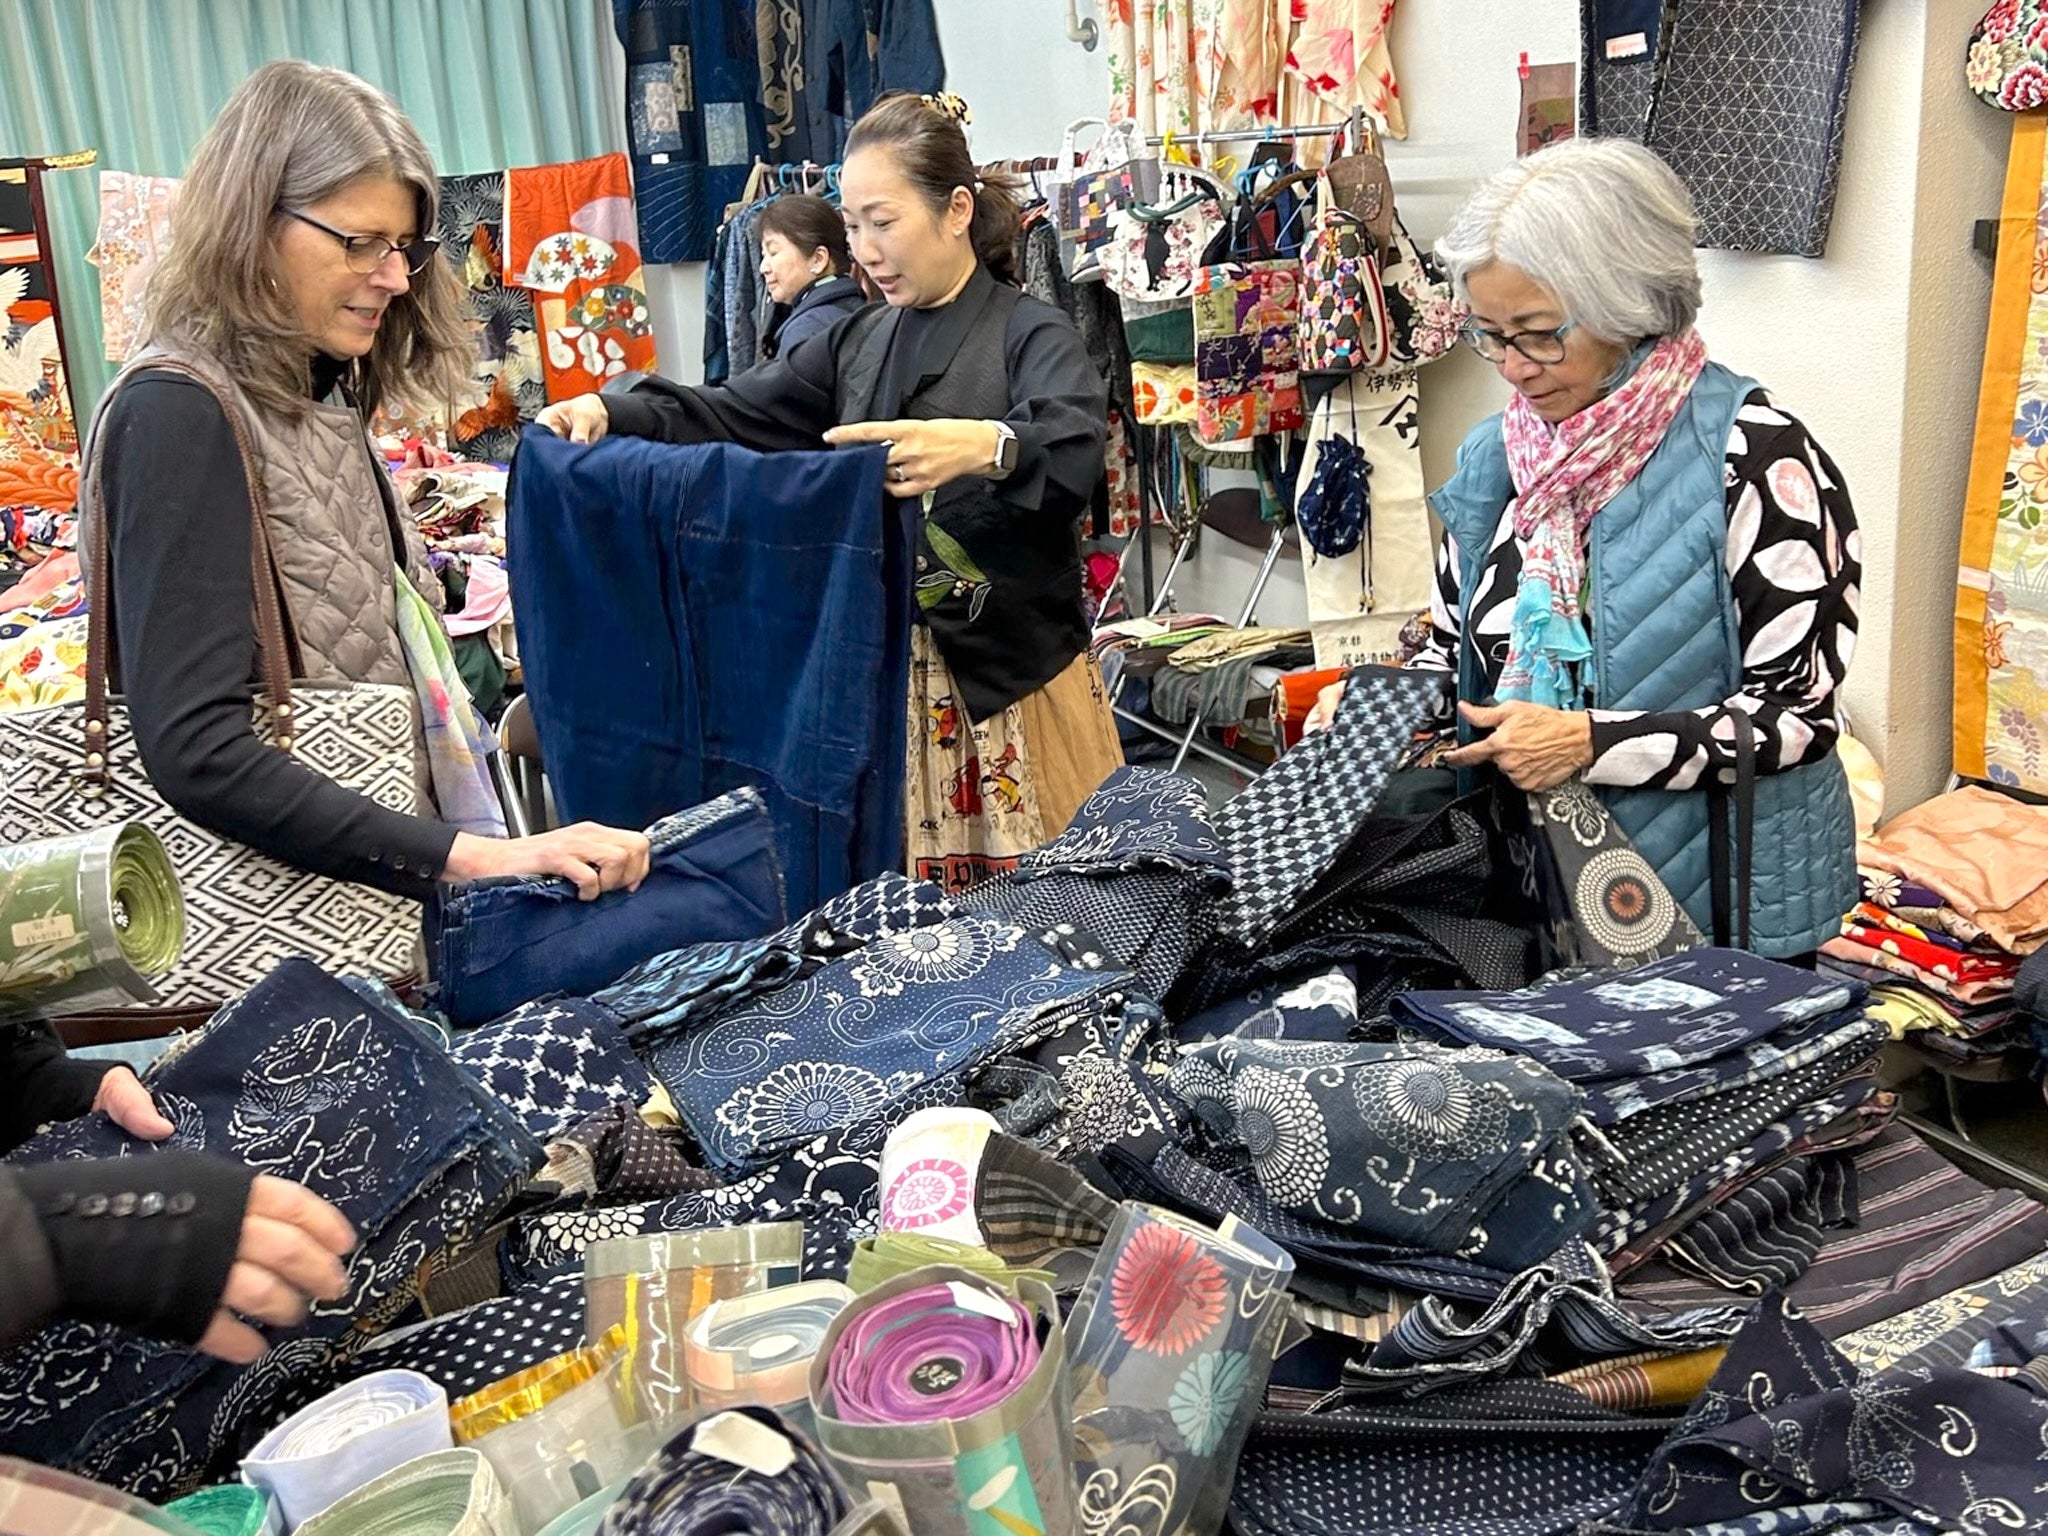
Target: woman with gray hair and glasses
(1649, 575)
(302, 287)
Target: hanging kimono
(506, 389)
(37, 430)
(135, 227)
(572, 241)
(2001, 627)
(1338, 59)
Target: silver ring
(896, 472)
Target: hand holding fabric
(925, 455)
(596, 859)
(583, 419)
(1536, 747)
(290, 1253)
(123, 1100)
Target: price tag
(746, 1443)
(54, 929)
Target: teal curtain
(490, 84)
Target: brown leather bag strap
(272, 646)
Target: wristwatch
(1006, 451)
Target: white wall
(1877, 347)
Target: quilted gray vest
(335, 523)
(1664, 637)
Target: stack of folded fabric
(1955, 897)
(1726, 1088)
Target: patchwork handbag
(74, 767)
(1246, 336)
(1344, 322)
(1114, 173)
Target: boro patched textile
(303, 1079)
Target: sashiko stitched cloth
(304, 1079)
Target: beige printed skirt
(979, 796)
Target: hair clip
(949, 106)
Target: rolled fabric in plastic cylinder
(336, 1444)
(233, 1509)
(41, 1501)
(758, 1349)
(928, 1170)
(889, 1254)
(559, 1431)
(1170, 1344)
(450, 1493)
(87, 920)
(739, 1469)
(945, 1396)
(654, 1286)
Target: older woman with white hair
(1649, 572)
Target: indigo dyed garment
(1412, 1144)
(1286, 830)
(753, 629)
(683, 1491)
(693, 117)
(1787, 1421)
(1672, 1013)
(712, 876)
(554, 1064)
(1800, 1045)
(464, 1352)
(835, 1048)
(1137, 869)
(1171, 1177)
(1553, 1317)
(303, 1079)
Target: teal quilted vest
(1664, 638)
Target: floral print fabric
(572, 241)
(1413, 1144)
(2007, 64)
(1192, 66)
(839, 1047)
(1247, 350)
(1171, 1344)
(507, 389)
(135, 226)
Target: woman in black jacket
(994, 418)
(805, 264)
(172, 1245)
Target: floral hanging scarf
(459, 740)
(1563, 475)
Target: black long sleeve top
(178, 523)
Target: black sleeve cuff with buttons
(144, 1242)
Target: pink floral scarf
(1563, 475)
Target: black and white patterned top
(1795, 562)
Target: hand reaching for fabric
(597, 859)
(290, 1255)
(1324, 714)
(924, 455)
(581, 420)
(1536, 747)
(123, 1100)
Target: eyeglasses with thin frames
(1537, 346)
(366, 253)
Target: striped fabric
(1764, 1236)
(1926, 1229)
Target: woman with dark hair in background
(994, 418)
(804, 262)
